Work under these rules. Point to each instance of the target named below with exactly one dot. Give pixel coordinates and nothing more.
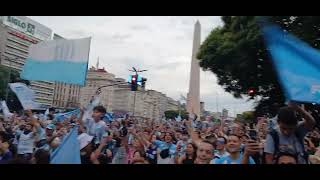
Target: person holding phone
(236, 157)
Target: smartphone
(253, 134)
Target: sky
(160, 44)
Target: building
(224, 113)
(66, 96)
(17, 33)
(202, 110)
(172, 104)
(96, 78)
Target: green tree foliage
(13, 102)
(236, 53)
(171, 114)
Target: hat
(84, 139)
(51, 126)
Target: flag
(69, 150)
(297, 65)
(58, 60)
(5, 110)
(60, 117)
(25, 95)
(178, 118)
(89, 110)
(108, 117)
(46, 114)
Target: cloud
(161, 44)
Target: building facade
(172, 104)
(97, 78)
(202, 110)
(17, 33)
(66, 96)
(224, 113)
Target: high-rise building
(17, 33)
(224, 113)
(98, 77)
(193, 99)
(172, 104)
(66, 96)
(202, 110)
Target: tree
(248, 117)
(236, 53)
(12, 102)
(172, 114)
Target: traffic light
(252, 92)
(134, 83)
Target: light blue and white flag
(178, 119)
(60, 117)
(89, 109)
(297, 65)
(5, 110)
(58, 60)
(25, 95)
(69, 150)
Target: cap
(84, 139)
(51, 126)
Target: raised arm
(194, 136)
(309, 121)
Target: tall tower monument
(193, 98)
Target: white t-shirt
(167, 160)
(26, 143)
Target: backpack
(275, 136)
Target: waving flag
(25, 95)
(89, 110)
(108, 117)
(5, 110)
(59, 60)
(297, 65)
(60, 117)
(178, 118)
(69, 150)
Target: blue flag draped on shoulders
(297, 65)
(69, 150)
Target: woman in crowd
(189, 156)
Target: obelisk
(193, 98)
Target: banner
(69, 150)
(25, 96)
(5, 110)
(58, 60)
(297, 65)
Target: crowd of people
(291, 137)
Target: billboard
(27, 26)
